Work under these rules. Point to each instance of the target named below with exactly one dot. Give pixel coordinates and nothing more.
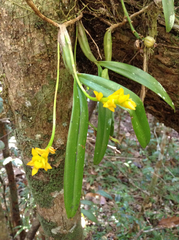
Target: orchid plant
(109, 95)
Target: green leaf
(86, 202)
(138, 117)
(71, 149)
(75, 152)
(2, 145)
(80, 153)
(169, 13)
(139, 76)
(103, 133)
(104, 194)
(1, 105)
(89, 215)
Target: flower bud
(149, 41)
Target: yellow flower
(110, 105)
(129, 104)
(52, 150)
(40, 159)
(98, 95)
(116, 94)
(117, 98)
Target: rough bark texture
(3, 227)
(28, 62)
(164, 59)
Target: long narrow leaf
(169, 13)
(103, 133)
(138, 117)
(71, 149)
(139, 76)
(80, 153)
(75, 152)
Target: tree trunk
(28, 66)
(3, 226)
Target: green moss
(47, 226)
(52, 181)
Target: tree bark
(28, 61)
(3, 226)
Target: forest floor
(132, 196)
(128, 194)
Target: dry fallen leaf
(169, 222)
(95, 198)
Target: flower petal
(129, 104)
(98, 95)
(34, 152)
(39, 164)
(31, 163)
(47, 166)
(34, 171)
(52, 150)
(110, 105)
(116, 94)
(40, 151)
(123, 98)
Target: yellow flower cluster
(118, 98)
(40, 159)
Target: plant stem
(55, 97)
(129, 20)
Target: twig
(158, 228)
(94, 43)
(151, 230)
(109, 146)
(169, 46)
(38, 13)
(32, 231)
(141, 11)
(132, 158)
(145, 69)
(11, 180)
(132, 16)
(138, 234)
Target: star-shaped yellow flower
(117, 98)
(40, 159)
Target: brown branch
(32, 231)
(112, 27)
(141, 11)
(70, 22)
(38, 13)
(145, 69)
(11, 179)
